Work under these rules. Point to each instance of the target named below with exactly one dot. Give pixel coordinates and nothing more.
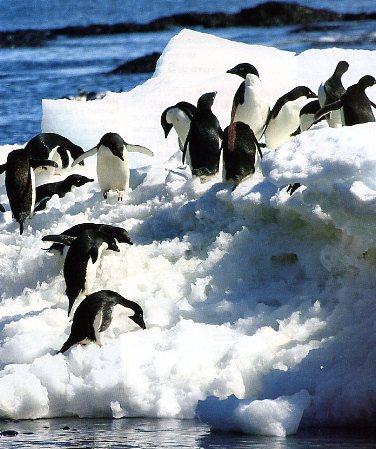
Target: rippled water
(158, 433)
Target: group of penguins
(201, 141)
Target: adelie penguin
(203, 139)
(283, 121)
(45, 192)
(112, 163)
(55, 147)
(332, 90)
(354, 105)
(94, 315)
(178, 117)
(67, 237)
(251, 103)
(240, 151)
(82, 260)
(20, 183)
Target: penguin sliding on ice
(94, 315)
(332, 90)
(354, 105)
(20, 183)
(240, 153)
(45, 192)
(112, 163)
(251, 100)
(67, 237)
(55, 147)
(82, 260)
(203, 139)
(283, 121)
(178, 117)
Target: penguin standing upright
(354, 105)
(203, 139)
(20, 183)
(82, 260)
(112, 163)
(251, 103)
(332, 90)
(283, 121)
(239, 155)
(94, 315)
(45, 192)
(55, 147)
(179, 117)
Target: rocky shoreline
(265, 14)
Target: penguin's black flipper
(326, 109)
(185, 148)
(2, 208)
(94, 254)
(3, 167)
(63, 239)
(106, 317)
(35, 163)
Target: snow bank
(255, 296)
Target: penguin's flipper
(94, 254)
(63, 153)
(2, 208)
(63, 239)
(35, 163)
(3, 167)
(296, 132)
(41, 203)
(185, 148)
(326, 109)
(84, 156)
(106, 317)
(139, 149)
(370, 102)
(181, 145)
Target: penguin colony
(253, 124)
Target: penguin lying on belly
(94, 315)
(67, 237)
(20, 183)
(82, 260)
(112, 163)
(55, 147)
(45, 192)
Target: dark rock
(144, 64)
(9, 433)
(310, 28)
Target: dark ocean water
(63, 66)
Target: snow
(260, 306)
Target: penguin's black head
(243, 70)
(309, 93)
(165, 125)
(78, 180)
(206, 100)
(342, 67)
(367, 81)
(115, 143)
(138, 316)
(120, 234)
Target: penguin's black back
(355, 103)
(239, 156)
(204, 137)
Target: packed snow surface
(260, 307)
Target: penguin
(354, 105)
(82, 260)
(307, 115)
(179, 117)
(44, 192)
(251, 101)
(55, 147)
(332, 90)
(94, 315)
(112, 163)
(283, 121)
(239, 155)
(20, 183)
(203, 139)
(67, 237)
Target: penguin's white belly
(91, 271)
(254, 111)
(112, 172)
(334, 118)
(286, 123)
(180, 121)
(33, 192)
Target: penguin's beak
(139, 321)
